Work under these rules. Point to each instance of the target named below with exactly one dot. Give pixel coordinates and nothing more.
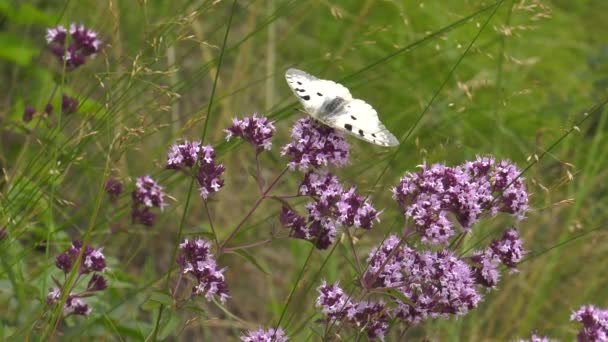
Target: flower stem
(251, 211)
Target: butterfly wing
(313, 92)
(360, 119)
(332, 104)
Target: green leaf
(170, 325)
(16, 49)
(251, 259)
(156, 300)
(27, 14)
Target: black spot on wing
(361, 132)
(305, 97)
(348, 127)
(353, 117)
(299, 90)
(319, 94)
(299, 83)
(374, 135)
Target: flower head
(330, 209)
(209, 172)
(314, 145)
(338, 307)
(262, 335)
(196, 259)
(536, 338)
(69, 105)
(429, 196)
(83, 44)
(28, 113)
(147, 195)
(48, 109)
(257, 131)
(509, 249)
(185, 154)
(93, 259)
(73, 304)
(437, 284)
(595, 323)
(113, 188)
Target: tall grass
(521, 80)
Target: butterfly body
(333, 104)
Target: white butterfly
(332, 104)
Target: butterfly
(332, 104)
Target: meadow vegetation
(118, 144)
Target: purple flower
(353, 209)
(428, 197)
(196, 259)
(93, 259)
(257, 131)
(313, 145)
(48, 109)
(512, 190)
(69, 105)
(595, 323)
(262, 335)
(339, 308)
(383, 271)
(147, 194)
(83, 44)
(209, 173)
(183, 155)
(113, 188)
(372, 316)
(331, 208)
(509, 249)
(536, 338)
(73, 304)
(97, 283)
(485, 268)
(333, 301)
(437, 284)
(76, 306)
(28, 113)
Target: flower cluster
(507, 250)
(338, 307)
(257, 131)
(92, 261)
(332, 207)
(147, 195)
(313, 145)
(536, 338)
(209, 172)
(196, 259)
(437, 284)
(82, 45)
(262, 335)
(113, 188)
(182, 155)
(465, 191)
(595, 323)
(69, 105)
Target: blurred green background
(459, 79)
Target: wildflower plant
(92, 262)
(452, 236)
